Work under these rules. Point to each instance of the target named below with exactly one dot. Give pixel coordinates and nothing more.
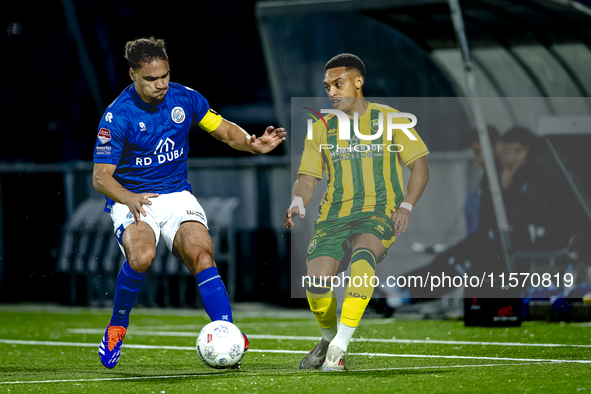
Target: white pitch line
(82, 344)
(285, 324)
(444, 366)
(259, 373)
(190, 348)
(307, 338)
(420, 341)
(107, 379)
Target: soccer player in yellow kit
(364, 206)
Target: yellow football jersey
(360, 178)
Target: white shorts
(165, 215)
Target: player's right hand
(288, 222)
(135, 202)
(297, 208)
(291, 212)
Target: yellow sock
(359, 289)
(323, 304)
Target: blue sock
(129, 283)
(214, 295)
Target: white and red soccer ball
(220, 344)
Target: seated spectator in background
(539, 215)
(580, 244)
(472, 207)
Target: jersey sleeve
(110, 138)
(411, 149)
(204, 116)
(312, 163)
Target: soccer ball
(220, 344)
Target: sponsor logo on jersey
(129, 215)
(383, 221)
(142, 126)
(312, 246)
(164, 146)
(103, 150)
(177, 115)
(357, 151)
(109, 117)
(104, 135)
(164, 152)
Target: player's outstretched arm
(235, 136)
(303, 190)
(419, 176)
(103, 182)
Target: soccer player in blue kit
(140, 165)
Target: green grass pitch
(48, 349)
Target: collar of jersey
(141, 103)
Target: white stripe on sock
(202, 283)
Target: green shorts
(333, 238)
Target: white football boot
(335, 359)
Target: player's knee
(200, 259)
(141, 259)
(322, 267)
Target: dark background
(50, 112)
(50, 115)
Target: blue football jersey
(149, 145)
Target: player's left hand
(268, 141)
(401, 218)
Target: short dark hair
(349, 61)
(520, 134)
(472, 136)
(144, 50)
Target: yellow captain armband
(211, 120)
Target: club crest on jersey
(178, 115)
(374, 125)
(104, 135)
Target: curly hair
(144, 50)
